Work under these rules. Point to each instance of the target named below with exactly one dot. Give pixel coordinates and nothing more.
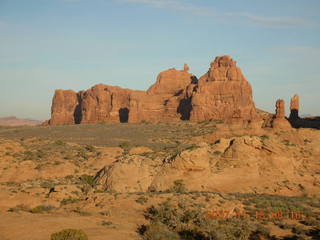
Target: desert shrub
(69, 201)
(69, 234)
(142, 200)
(125, 146)
(192, 223)
(178, 186)
(260, 229)
(90, 148)
(20, 207)
(42, 209)
(158, 231)
(264, 137)
(298, 230)
(82, 153)
(87, 179)
(105, 213)
(28, 155)
(307, 140)
(47, 184)
(81, 212)
(106, 223)
(59, 142)
(217, 152)
(144, 122)
(310, 222)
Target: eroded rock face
(222, 93)
(105, 103)
(280, 120)
(171, 82)
(65, 107)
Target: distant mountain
(14, 121)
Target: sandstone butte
(223, 93)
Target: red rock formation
(222, 93)
(280, 120)
(105, 103)
(280, 111)
(171, 82)
(186, 68)
(64, 107)
(294, 108)
(294, 103)
(161, 101)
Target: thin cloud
(191, 8)
(300, 50)
(176, 6)
(274, 21)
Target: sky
(75, 44)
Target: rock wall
(222, 93)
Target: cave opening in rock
(124, 115)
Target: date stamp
(261, 215)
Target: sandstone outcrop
(280, 120)
(230, 164)
(103, 103)
(162, 100)
(294, 108)
(65, 107)
(222, 93)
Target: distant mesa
(14, 121)
(222, 93)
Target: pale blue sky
(74, 44)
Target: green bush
(125, 146)
(69, 201)
(41, 209)
(142, 200)
(264, 137)
(178, 186)
(59, 142)
(87, 179)
(158, 231)
(90, 148)
(69, 234)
